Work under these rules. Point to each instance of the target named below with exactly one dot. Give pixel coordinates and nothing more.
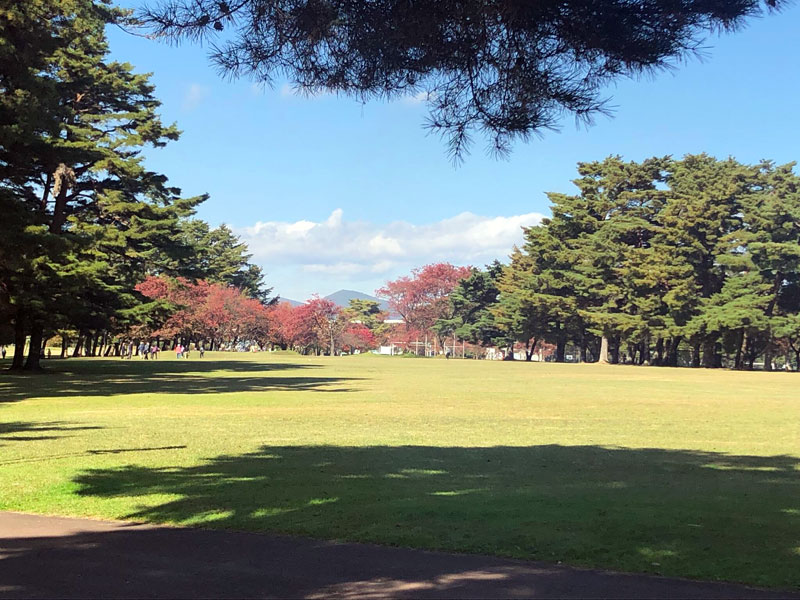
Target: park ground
(679, 472)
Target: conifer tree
(471, 301)
(219, 256)
(508, 69)
(97, 219)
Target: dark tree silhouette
(508, 68)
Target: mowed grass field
(680, 472)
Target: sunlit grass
(673, 471)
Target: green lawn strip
(671, 471)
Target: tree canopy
(651, 257)
(507, 68)
(84, 220)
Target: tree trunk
(561, 348)
(603, 358)
(35, 347)
(529, 352)
(674, 345)
(614, 352)
(737, 361)
(95, 343)
(658, 360)
(88, 345)
(78, 344)
(709, 353)
(696, 355)
(64, 344)
(768, 356)
(630, 356)
(19, 340)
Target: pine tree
(703, 208)
(219, 256)
(471, 302)
(97, 219)
(508, 69)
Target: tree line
(692, 261)
(84, 220)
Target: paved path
(69, 558)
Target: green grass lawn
(674, 471)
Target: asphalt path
(53, 557)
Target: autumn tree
(369, 314)
(423, 298)
(201, 311)
(357, 336)
(284, 328)
(325, 321)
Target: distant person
(130, 350)
(3, 351)
(179, 351)
(49, 353)
(202, 350)
(153, 351)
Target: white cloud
(352, 253)
(195, 95)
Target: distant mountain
(342, 298)
(291, 302)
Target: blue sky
(330, 193)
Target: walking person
(179, 351)
(202, 350)
(3, 351)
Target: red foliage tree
(324, 319)
(284, 325)
(358, 336)
(207, 311)
(424, 297)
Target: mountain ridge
(342, 298)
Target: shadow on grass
(110, 377)
(673, 512)
(21, 431)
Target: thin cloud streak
(195, 95)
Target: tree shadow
(111, 377)
(673, 512)
(21, 431)
(87, 453)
